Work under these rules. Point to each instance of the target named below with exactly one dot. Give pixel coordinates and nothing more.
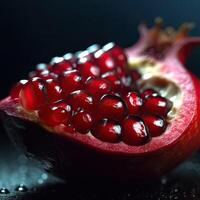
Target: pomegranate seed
(98, 87)
(133, 102)
(157, 105)
(70, 81)
(88, 70)
(148, 93)
(80, 100)
(135, 75)
(55, 114)
(107, 131)
(105, 61)
(14, 93)
(114, 80)
(155, 124)
(111, 107)
(53, 91)
(32, 96)
(82, 121)
(46, 74)
(60, 67)
(134, 131)
(118, 54)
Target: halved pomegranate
(109, 112)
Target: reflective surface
(21, 179)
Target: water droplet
(21, 188)
(4, 191)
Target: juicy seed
(70, 81)
(155, 124)
(80, 100)
(46, 74)
(82, 121)
(157, 105)
(32, 95)
(134, 131)
(55, 114)
(149, 93)
(14, 93)
(133, 102)
(107, 131)
(105, 61)
(120, 57)
(113, 79)
(98, 87)
(111, 107)
(53, 91)
(88, 70)
(62, 66)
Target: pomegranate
(110, 112)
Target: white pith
(152, 77)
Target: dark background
(33, 31)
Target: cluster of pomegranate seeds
(94, 91)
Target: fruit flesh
(123, 161)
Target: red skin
(64, 153)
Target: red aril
(105, 61)
(107, 131)
(80, 100)
(118, 54)
(31, 95)
(114, 80)
(134, 131)
(134, 103)
(88, 69)
(70, 81)
(111, 107)
(155, 124)
(52, 91)
(14, 93)
(58, 113)
(98, 87)
(157, 105)
(82, 121)
(148, 93)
